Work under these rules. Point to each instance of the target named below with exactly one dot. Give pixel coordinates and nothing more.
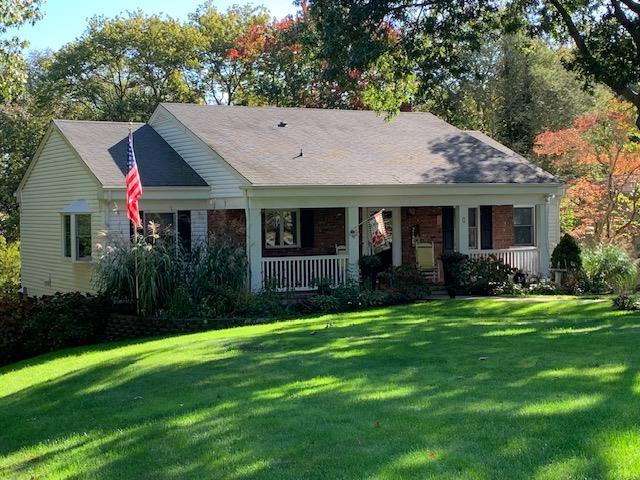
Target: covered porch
(293, 245)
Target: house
(293, 186)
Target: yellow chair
(426, 261)
(341, 250)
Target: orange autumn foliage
(599, 157)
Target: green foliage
(121, 68)
(229, 46)
(566, 255)
(13, 68)
(405, 283)
(452, 266)
(609, 268)
(626, 302)
(575, 282)
(30, 327)
(153, 270)
(346, 297)
(485, 276)
(9, 266)
(216, 266)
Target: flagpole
(135, 258)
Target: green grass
(481, 389)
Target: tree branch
(627, 24)
(635, 6)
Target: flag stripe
(133, 185)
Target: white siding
(58, 178)
(554, 223)
(224, 181)
(198, 226)
(118, 227)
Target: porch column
(396, 236)
(541, 227)
(352, 241)
(462, 228)
(254, 247)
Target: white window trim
(477, 227)
(533, 226)
(72, 225)
(264, 228)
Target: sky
(65, 20)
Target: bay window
(281, 228)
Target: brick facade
(502, 224)
(428, 221)
(328, 231)
(230, 223)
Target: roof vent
(282, 124)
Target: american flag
(134, 186)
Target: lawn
(477, 389)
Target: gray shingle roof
(347, 147)
(103, 147)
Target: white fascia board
(473, 189)
(161, 193)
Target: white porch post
(254, 247)
(396, 236)
(542, 239)
(462, 229)
(353, 242)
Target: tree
(606, 36)
(515, 88)
(121, 68)
(436, 34)
(229, 47)
(601, 162)
(12, 64)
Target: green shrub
(454, 268)
(566, 255)
(626, 302)
(13, 313)
(9, 266)
(370, 266)
(575, 282)
(64, 320)
(214, 268)
(156, 267)
(484, 276)
(609, 268)
(33, 326)
(543, 287)
(405, 283)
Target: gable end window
(523, 227)
(76, 236)
(281, 228)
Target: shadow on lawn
(447, 389)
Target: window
(523, 232)
(66, 226)
(83, 237)
(473, 228)
(164, 225)
(281, 228)
(76, 236)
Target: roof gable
(300, 146)
(103, 147)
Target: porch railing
(298, 273)
(522, 258)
